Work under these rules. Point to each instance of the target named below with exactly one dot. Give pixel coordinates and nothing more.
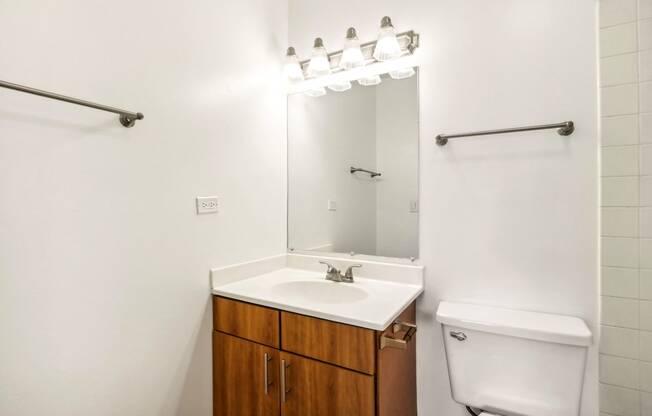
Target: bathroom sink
(320, 291)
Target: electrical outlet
(332, 205)
(414, 206)
(207, 204)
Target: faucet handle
(349, 271)
(332, 273)
(331, 268)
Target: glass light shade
(370, 81)
(352, 55)
(316, 92)
(402, 73)
(292, 68)
(387, 47)
(319, 64)
(340, 86)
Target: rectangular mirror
(353, 170)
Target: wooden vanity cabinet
(268, 362)
(240, 367)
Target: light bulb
(340, 86)
(402, 73)
(352, 55)
(387, 47)
(316, 92)
(319, 64)
(370, 81)
(292, 69)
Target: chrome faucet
(348, 275)
(335, 275)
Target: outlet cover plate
(207, 204)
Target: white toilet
(514, 363)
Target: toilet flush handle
(458, 335)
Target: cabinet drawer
(244, 320)
(343, 345)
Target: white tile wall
(646, 191)
(619, 401)
(620, 252)
(646, 159)
(620, 222)
(645, 377)
(645, 34)
(619, 100)
(620, 312)
(645, 97)
(644, 9)
(645, 285)
(619, 69)
(620, 282)
(626, 228)
(645, 66)
(618, 40)
(646, 404)
(621, 130)
(646, 315)
(615, 12)
(646, 253)
(645, 123)
(619, 371)
(620, 192)
(646, 345)
(622, 342)
(620, 161)
(645, 222)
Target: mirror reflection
(353, 170)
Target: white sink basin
(367, 303)
(320, 291)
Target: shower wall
(626, 142)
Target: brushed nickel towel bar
(370, 172)
(127, 118)
(564, 129)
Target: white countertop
(368, 302)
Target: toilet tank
(514, 363)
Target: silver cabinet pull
(284, 389)
(458, 335)
(266, 370)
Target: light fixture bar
(409, 42)
(367, 71)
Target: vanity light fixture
(402, 73)
(370, 81)
(316, 92)
(387, 46)
(352, 55)
(340, 86)
(319, 64)
(365, 63)
(293, 71)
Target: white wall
(328, 135)
(397, 155)
(506, 220)
(103, 263)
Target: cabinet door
(245, 377)
(312, 388)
